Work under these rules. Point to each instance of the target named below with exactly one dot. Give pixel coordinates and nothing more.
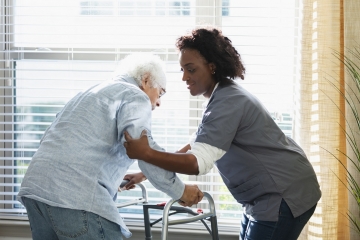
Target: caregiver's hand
(137, 148)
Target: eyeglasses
(162, 92)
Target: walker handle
(167, 207)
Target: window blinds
(52, 49)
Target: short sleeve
(220, 123)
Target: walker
(169, 209)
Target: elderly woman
(72, 181)
(265, 171)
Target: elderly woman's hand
(192, 195)
(133, 179)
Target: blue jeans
(286, 228)
(49, 223)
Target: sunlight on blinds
(54, 49)
(101, 24)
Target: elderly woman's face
(153, 93)
(198, 74)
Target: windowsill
(136, 226)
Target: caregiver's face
(197, 72)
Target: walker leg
(147, 223)
(214, 228)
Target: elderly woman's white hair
(138, 65)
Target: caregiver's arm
(185, 163)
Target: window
(136, 8)
(225, 7)
(97, 8)
(53, 49)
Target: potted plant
(350, 93)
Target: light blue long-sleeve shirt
(81, 160)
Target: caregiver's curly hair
(216, 49)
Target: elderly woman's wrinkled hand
(192, 195)
(133, 178)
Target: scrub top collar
(204, 105)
